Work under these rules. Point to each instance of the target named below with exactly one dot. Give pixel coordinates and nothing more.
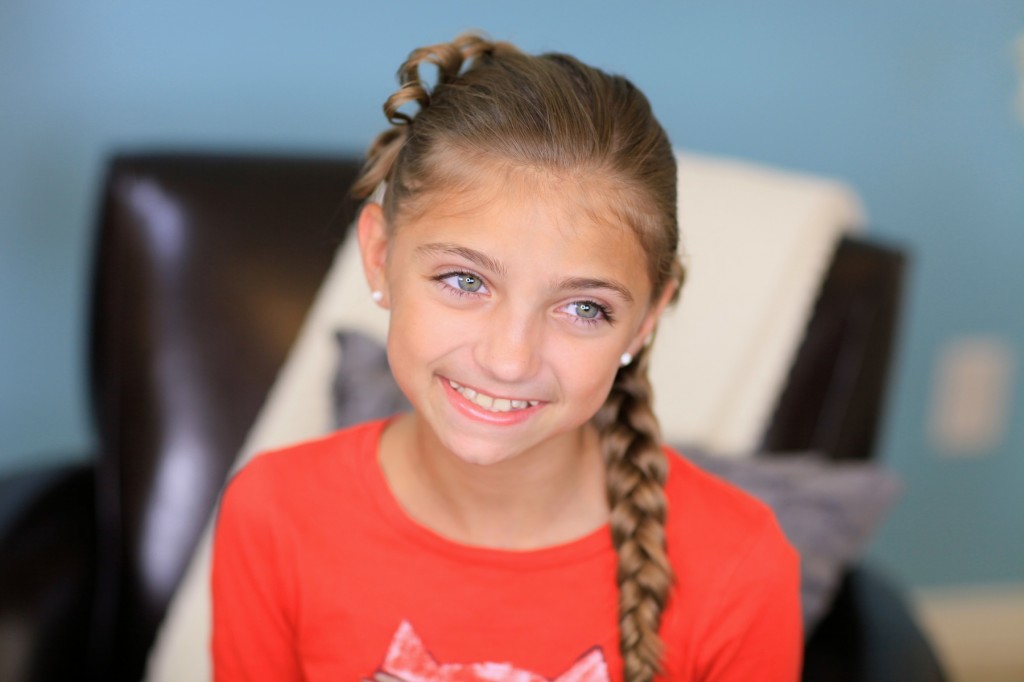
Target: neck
(552, 494)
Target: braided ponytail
(637, 469)
(492, 101)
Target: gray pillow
(827, 510)
(363, 387)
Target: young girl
(523, 523)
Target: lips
(492, 403)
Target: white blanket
(756, 242)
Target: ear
(650, 322)
(373, 247)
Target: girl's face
(511, 304)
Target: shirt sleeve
(760, 636)
(252, 590)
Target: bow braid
(449, 58)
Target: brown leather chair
(205, 267)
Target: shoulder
(736, 599)
(314, 456)
(296, 473)
(699, 500)
(717, 531)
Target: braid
(637, 469)
(449, 58)
(379, 160)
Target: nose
(509, 345)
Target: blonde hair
(552, 112)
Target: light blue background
(910, 101)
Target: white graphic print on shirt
(408, 660)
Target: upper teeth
(489, 402)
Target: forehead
(537, 216)
(457, 180)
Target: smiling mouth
(490, 403)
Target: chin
(479, 451)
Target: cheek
(586, 375)
(409, 352)
(421, 332)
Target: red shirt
(319, 575)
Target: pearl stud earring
(625, 359)
(377, 296)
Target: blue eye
(468, 282)
(462, 282)
(589, 312)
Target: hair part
(551, 113)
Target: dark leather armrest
(47, 557)
(869, 635)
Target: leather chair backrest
(204, 271)
(833, 399)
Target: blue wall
(911, 102)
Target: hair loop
(450, 60)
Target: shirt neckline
(580, 549)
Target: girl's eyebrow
(486, 262)
(594, 283)
(478, 257)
